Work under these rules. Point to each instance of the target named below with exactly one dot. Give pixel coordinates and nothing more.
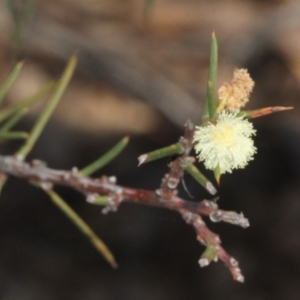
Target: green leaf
(12, 109)
(208, 255)
(10, 80)
(106, 158)
(160, 153)
(21, 14)
(47, 112)
(100, 200)
(82, 226)
(210, 107)
(262, 111)
(217, 172)
(14, 120)
(9, 135)
(200, 178)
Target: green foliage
(48, 111)
(21, 13)
(10, 115)
(210, 107)
(106, 158)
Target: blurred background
(142, 71)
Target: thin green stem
(160, 153)
(14, 120)
(200, 178)
(209, 254)
(82, 226)
(9, 135)
(217, 173)
(100, 200)
(210, 107)
(47, 112)
(106, 158)
(22, 16)
(10, 80)
(12, 109)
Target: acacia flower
(236, 94)
(227, 143)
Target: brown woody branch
(38, 172)
(166, 197)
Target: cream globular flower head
(236, 94)
(227, 143)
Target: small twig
(81, 224)
(37, 171)
(168, 192)
(208, 238)
(165, 197)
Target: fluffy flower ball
(227, 143)
(237, 93)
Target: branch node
(158, 192)
(67, 176)
(114, 201)
(38, 163)
(112, 179)
(46, 186)
(203, 262)
(216, 216)
(74, 171)
(234, 262)
(172, 182)
(91, 198)
(211, 204)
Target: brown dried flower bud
(236, 94)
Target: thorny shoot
(223, 142)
